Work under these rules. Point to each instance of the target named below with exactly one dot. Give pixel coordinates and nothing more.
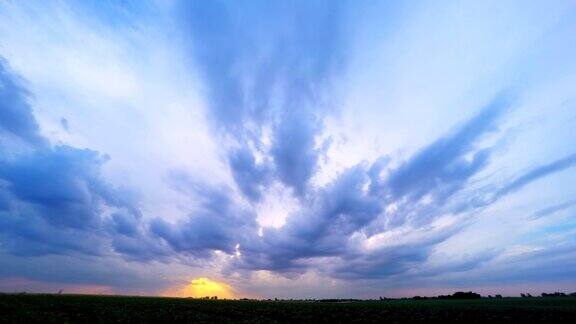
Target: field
(32, 308)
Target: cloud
(551, 263)
(269, 73)
(15, 111)
(250, 177)
(283, 94)
(65, 124)
(62, 183)
(54, 200)
(396, 258)
(537, 173)
(553, 209)
(295, 152)
(60, 270)
(340, 219)
(442, 167)
(218, 224)
(321, 229)
(59, 204)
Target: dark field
(78, 308)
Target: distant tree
(498, 296)
(523, 295)
(463, 295)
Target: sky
(288, 149)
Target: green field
(31, 308)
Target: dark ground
(30, 308)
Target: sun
(204, 287)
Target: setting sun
(204, 287)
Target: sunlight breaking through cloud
(203, 287)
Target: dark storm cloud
(267, 65)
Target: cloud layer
(285, 144)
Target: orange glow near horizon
(203, 287)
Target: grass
(32, 308)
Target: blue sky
(288, 148)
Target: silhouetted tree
(461, 295)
